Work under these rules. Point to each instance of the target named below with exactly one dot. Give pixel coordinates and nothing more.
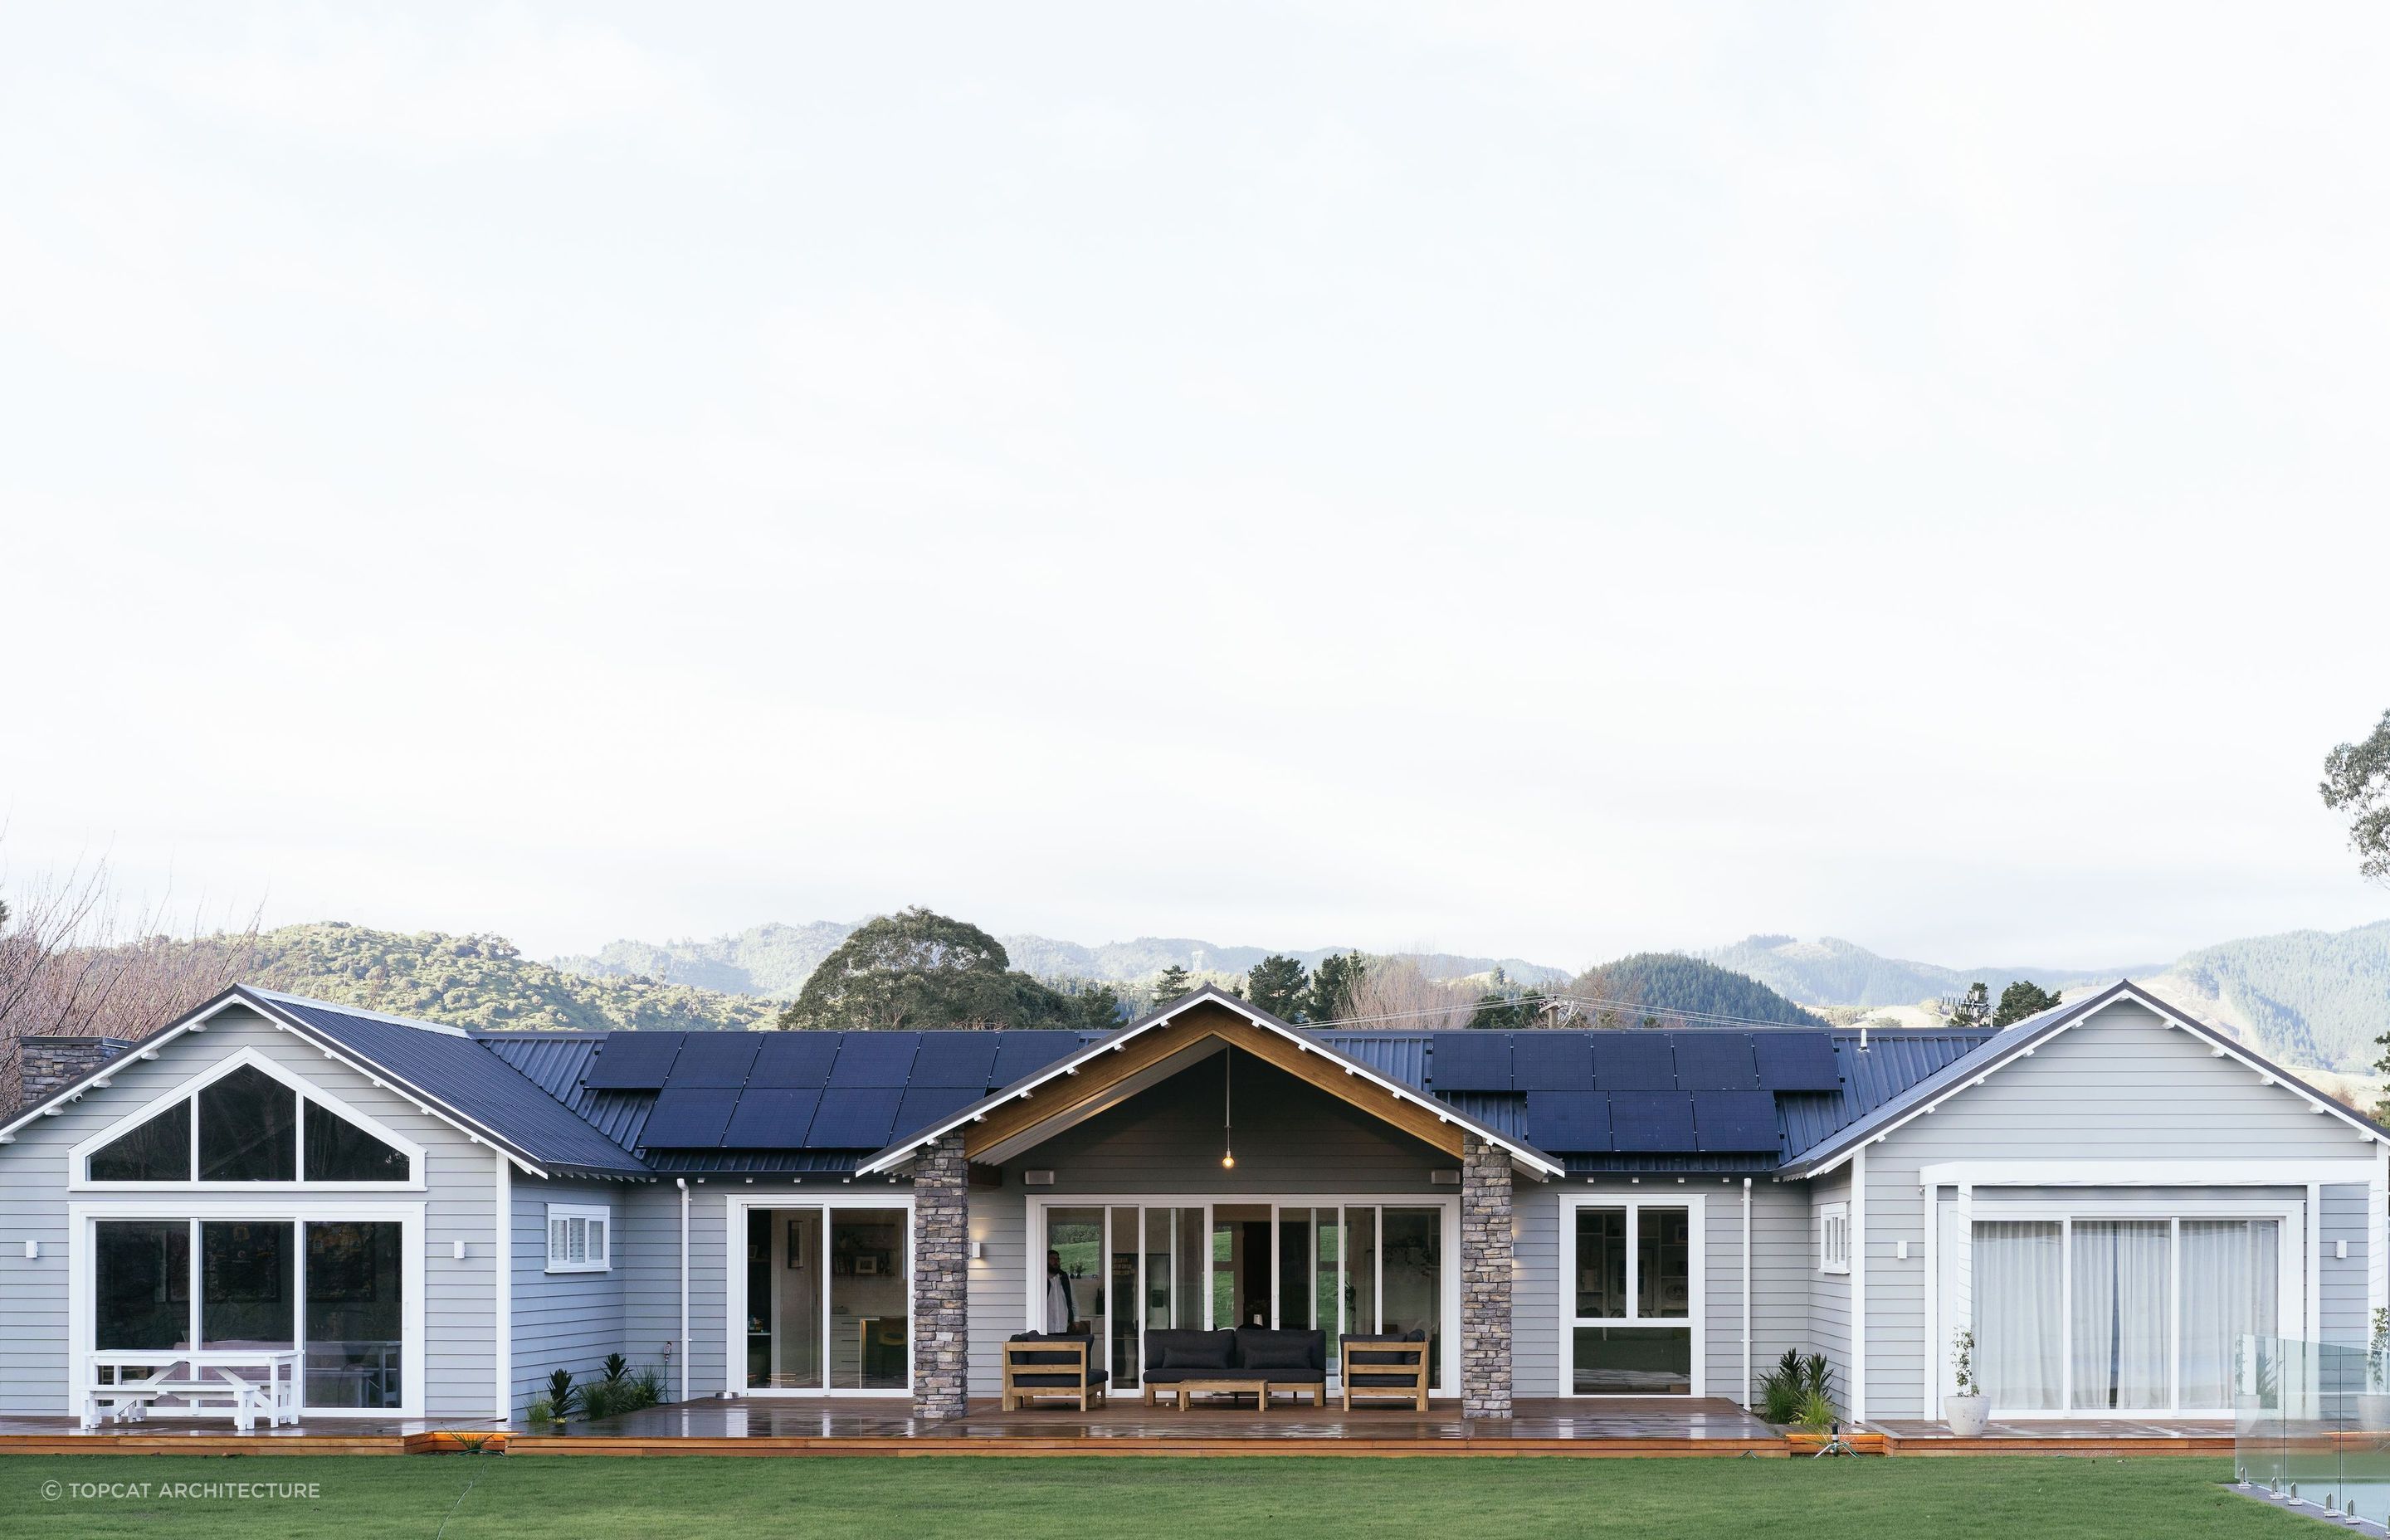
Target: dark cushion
(1260, 1348)
(1188, 1350)
(1070, 1358)
(1385, 1381)
(1196, 1356)
(1403, 1358)
(1058, 1381)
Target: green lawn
(529, 1497)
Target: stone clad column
(940, 1279)
(1485, 1249)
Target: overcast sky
(1542, 479)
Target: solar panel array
(1640, 1092)
(812, 1090)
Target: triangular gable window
(250, 1127)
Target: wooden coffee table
(1257, 1389)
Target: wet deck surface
(836, 1419)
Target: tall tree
(1170, 983)
(2020, 1000)
(1507, 1008)
(1276, 985)
(1096, 1007)
(916, 969)
(1333, 984)
(2357, 782)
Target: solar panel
(1651, 1122)
(1551, 1060)
(794, 1060)
(963, 1059)
(688, 1118)
(716, 1060)
(1716, 1062)
(1797, 1061)
(633, 1061)
(771, 1119)
(1023, 1053)
(1568, 1119)
(924, 1104)
(1470, 1061)
(881, 1060)
(1633, 1060)
(1734, 1120)
(854, 1120)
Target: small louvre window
(576, 1239)
(1834, 1239)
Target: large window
(246, 1125)
(1633, 1289)
(2076, 1315)
(239, 1284)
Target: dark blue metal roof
(453, 1069)
(559, 1111)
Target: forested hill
(1664, 982)
(1831, 972)
(774, 960)
(475, 981)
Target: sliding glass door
(2092, 1314)
(1334, 1267)
(333, 1290)
(829, 1299)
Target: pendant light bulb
(1227, 1112)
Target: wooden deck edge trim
(1188, 1449)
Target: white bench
(248, 1382)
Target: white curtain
(2229, 1275)
(2122, 1325)
(2017, 1307)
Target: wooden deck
(825, 1426)
(2101, 1436)
(1617, 1428)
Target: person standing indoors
(1060, 1309)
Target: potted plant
(2373, 1402)
(1964, 1406)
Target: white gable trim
(1537, 1164)
(78, 1171)
(2219, 1046)
(264, 1005)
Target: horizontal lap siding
(568, 1320)
(1783, 1258)
(458, 1198)
(1535, 1297)
(997, 1289)
(1829, 1293)
(2120, 1086)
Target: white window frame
(734, 1308)
(415, 1341)
(78, 1159)
(1835, 1237)
(1696, 1284)
(563, 1216)
(1447, 1371)
(2291, 1217)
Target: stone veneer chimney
(47, 1065)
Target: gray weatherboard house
(383, 1218)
